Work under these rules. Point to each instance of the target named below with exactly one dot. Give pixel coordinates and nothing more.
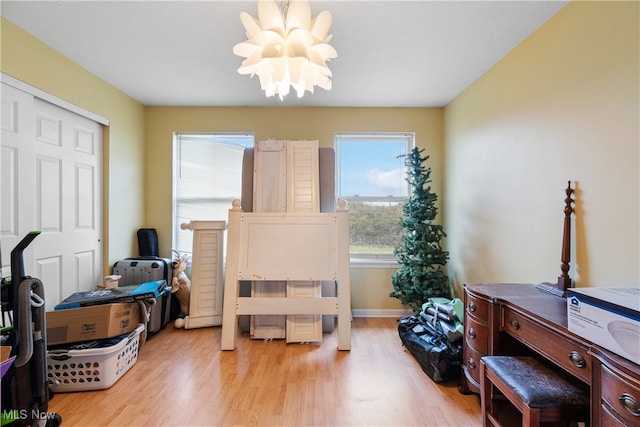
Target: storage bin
(92, 368)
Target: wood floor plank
(182, 378)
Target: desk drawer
(571, 356)
(472, 363)
(622, 394)
(476, 335)
(476, 307)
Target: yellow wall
(561, 106)
(370, 287)
(27, 59)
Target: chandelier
(285, 47)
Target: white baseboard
(380, 313)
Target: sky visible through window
(372, 168)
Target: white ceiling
(419, 53)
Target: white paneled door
(51, 181)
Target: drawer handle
(472, 333)
(577, 359)
(472, 307)
(471, 363)
(514, 324)
(630, 404)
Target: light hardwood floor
(182, 378)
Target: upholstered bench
(539, 393)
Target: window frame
(361, 260)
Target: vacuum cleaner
(25, 390)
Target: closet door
(52, 182)
(17, 152)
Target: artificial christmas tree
(422, 260)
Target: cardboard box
(91, 323)
(608, 317)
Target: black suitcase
(149, 269)
(148, 242)
(439, 359)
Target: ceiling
(418, 53)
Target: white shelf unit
(205, 305)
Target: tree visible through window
(207, 176)
(371, 176)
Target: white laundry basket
(92, 368)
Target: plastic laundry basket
(92, 368)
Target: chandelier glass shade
(286, 48)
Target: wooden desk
(521, 319)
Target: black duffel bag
(439, 358)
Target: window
(371, 176)
(207, 177)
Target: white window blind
(207, 177)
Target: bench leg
(530, 417)
(485, 397)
